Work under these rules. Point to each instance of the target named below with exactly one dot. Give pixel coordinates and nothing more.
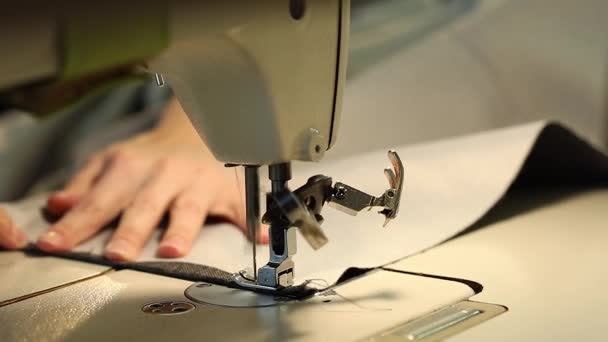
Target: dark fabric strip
(176, 269)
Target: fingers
(141, 218)
(85, 177)
(10, 236)
(188, 213)
(59, 203)
(98, 207)
(143, 189)
(62, 201)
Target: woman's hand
(10, 236)
(168, 170)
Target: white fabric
(449, 185)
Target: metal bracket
(351, 200)
(302, 208)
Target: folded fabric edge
(545, 154)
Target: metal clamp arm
(302, 208)
(351, 200)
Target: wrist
(176, 126)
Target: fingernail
(119, 250)
(59, 194)
(51, 241)
(173, 247)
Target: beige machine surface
(109, 307)
(525, 263)
(17, 271)
(547, 265)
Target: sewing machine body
(544, 265)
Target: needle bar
(252, 206)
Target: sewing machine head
(262, 83)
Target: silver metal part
(168, 308)
(248, 283)
(287, 210)
(252, 204)
(160, 80)
(447, 320)
(297, 213)
(441, 324)
(351, 201)
(206, 293)
(279, 273)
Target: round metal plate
(223, 296)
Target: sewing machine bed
(523, 263)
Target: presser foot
(269, 277)
(278, 273)
(246, 281)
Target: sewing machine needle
(252, 206)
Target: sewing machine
(285, 100)
(287, 103)
(292, 99)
